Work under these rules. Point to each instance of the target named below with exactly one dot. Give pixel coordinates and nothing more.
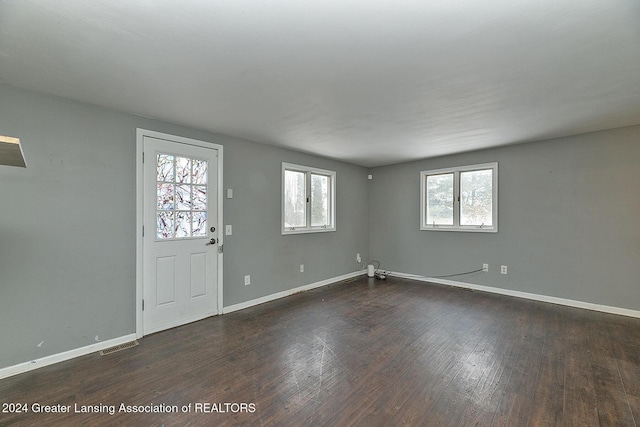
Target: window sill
(460, 229)
(307, 231)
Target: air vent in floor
(118, 348)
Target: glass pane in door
(181, 197)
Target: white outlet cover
(247, 280)
(228, 230)
(229, 193)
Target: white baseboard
(61, 357)
(526, 295)
(278, 295)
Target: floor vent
(118, 348)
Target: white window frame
(456, 199)
(307, 170)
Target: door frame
(140, 135)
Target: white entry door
(180, 240)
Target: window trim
(456, 202)
(308, 171)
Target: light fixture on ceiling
(11, 152)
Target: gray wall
(67, 224)
(568, 213)
(257, 248)
(568, 220)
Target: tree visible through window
(460, 199)
(295, 205)
(181, 197)
(319, 200)
(440, 199)
(476, 197)
(308, 199)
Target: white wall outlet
(229, 193)
(247, 280)
(228, 230)
(358, 258)
(301, 268)
(369, 176)
(503, 269)
(485, 267)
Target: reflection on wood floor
(363, 352)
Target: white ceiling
(371, 82)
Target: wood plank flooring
(364, 352)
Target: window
(181, 184)
(460, 199)
(308, 199)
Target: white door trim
(140, 134)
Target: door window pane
(165, 169)
(199, 175)
(476, 197)
(164, 225)
(439, 199)
(183, 224)
(183, 197)
(183, 169)
(199, 223)
(165, 196)
(199, 200)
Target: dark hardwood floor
(373, 353)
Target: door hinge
(143, 157)
(220, 249)
(143, 231)
(142, 305)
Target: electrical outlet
(485, 267)
(228, 230)
(247, 280)
(358, 258)
(503, 269)
(301, 268)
